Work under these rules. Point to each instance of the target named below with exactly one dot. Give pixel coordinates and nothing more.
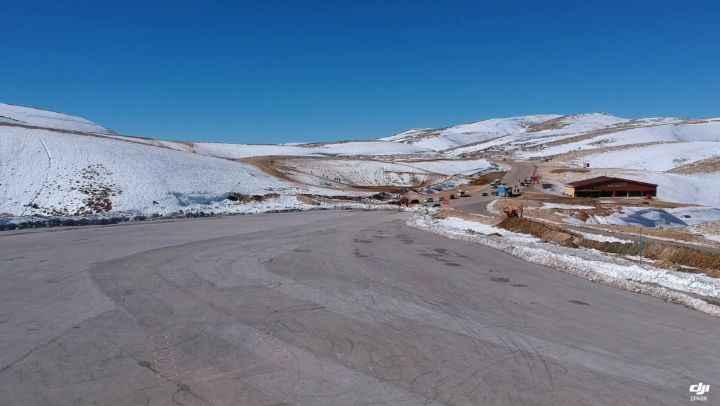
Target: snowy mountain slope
(450, 137)
(646, 148)
(42, 118)
(355, 172)
(451, 166)
(350, 148)
(655, 157)
(72, 166)
(680, 131)
(81, 167)
(376, 172)
(48, 172)
(239, 151)
(508, 129)
(681, 188)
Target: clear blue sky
(281, 71)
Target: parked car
(484, 193)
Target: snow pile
(42, 118)
(612, 270)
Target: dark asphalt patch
(578, 302)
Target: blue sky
(282, 71)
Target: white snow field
(361, 172)
(675, 132)
(506, 131)
(550, 135)
(442, 139)
(379, 172)
(451, 166)
(350, 148)
(48, 172)
(239, 151)
(655, 157)
(700, 189)
(42, 118)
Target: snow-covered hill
(56, 173)
(352, 148)
(59, 165)
(631, 134)
(550, 135)
(52, 163)
(681, 155)
(42, 118)
(339, 172)
(507, 130)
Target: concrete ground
(325, 308)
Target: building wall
(614, 188)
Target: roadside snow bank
(677, 287)
(601, 237)
(549, 206)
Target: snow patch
(43, 118)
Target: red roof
(606, 179)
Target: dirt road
(325, 308)
(478, 204)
